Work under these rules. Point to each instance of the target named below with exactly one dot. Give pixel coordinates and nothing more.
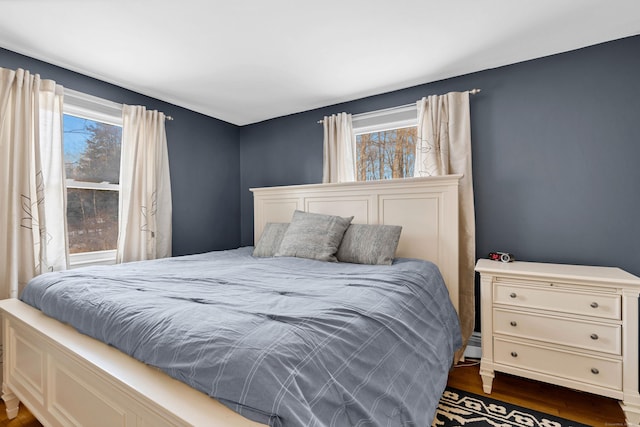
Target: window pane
(92, 217)
(91, 150)
(386, 154)
(92, 159)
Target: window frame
(387, 119)
(404, 116)
(100, 110)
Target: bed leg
(11, 402)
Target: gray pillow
(314, 236)
(369, 244)
(270, 239)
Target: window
(92, 140)
(385, 143)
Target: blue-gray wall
(556, 152)
(203, 159)
(555, 156)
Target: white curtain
(444, 147)
(145, 190)
(32, 190)
(339, 153)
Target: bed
(69, 378)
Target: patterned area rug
(459, 408)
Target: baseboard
(474, 347)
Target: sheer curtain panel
(444, 147)
(339, 155)
(32, 191)
(145, 188)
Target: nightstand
(569, 325)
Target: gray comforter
(282, 341)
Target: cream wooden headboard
(426, 208)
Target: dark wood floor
(585, 408)
(582, 407)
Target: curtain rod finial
(475, 91)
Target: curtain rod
(471, 92)
(84, 99)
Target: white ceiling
(244, 61)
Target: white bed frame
(426, 208)
(69, 379)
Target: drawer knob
(513, 295)
(594, 305)
(513, 323)
(595, 371)
(594, 336)
(514, 354)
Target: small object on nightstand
(501, 256)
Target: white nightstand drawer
(576, 367)
(570, 332)
(564, 301)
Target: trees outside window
(386, 143)
(92, 166)
(385, 154)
